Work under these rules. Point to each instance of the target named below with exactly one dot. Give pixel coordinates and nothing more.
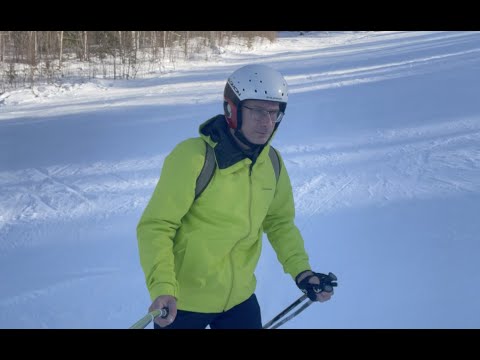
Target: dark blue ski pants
(245, 315)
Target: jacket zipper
(248, 234)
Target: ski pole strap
(327, 283)
(283, 313)
(147, 319)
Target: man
(199, 254)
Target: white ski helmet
(253, 82)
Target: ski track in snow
(71, 191)
(413, 163)
(388, 165)
(42, 309)
(70, 279)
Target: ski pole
(286, 310)
(291, 316)
(327, 282)
(147, 319)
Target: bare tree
(164, 42)
(186, 45)
(85, 46)
(32, 54)
(3, 42)
(60, 54)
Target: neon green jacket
(205, 252)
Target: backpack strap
(207, 172)
(275, 162)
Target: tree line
(29, 57)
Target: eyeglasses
(274, 116)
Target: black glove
(327, 283)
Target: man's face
(258, 120)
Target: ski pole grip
(163, 313)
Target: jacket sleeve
(281, 230)
(171, 200)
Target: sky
(381, 139)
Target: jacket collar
(227, 152)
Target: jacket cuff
(300, 274)
(294, 271)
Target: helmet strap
(238, 130)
